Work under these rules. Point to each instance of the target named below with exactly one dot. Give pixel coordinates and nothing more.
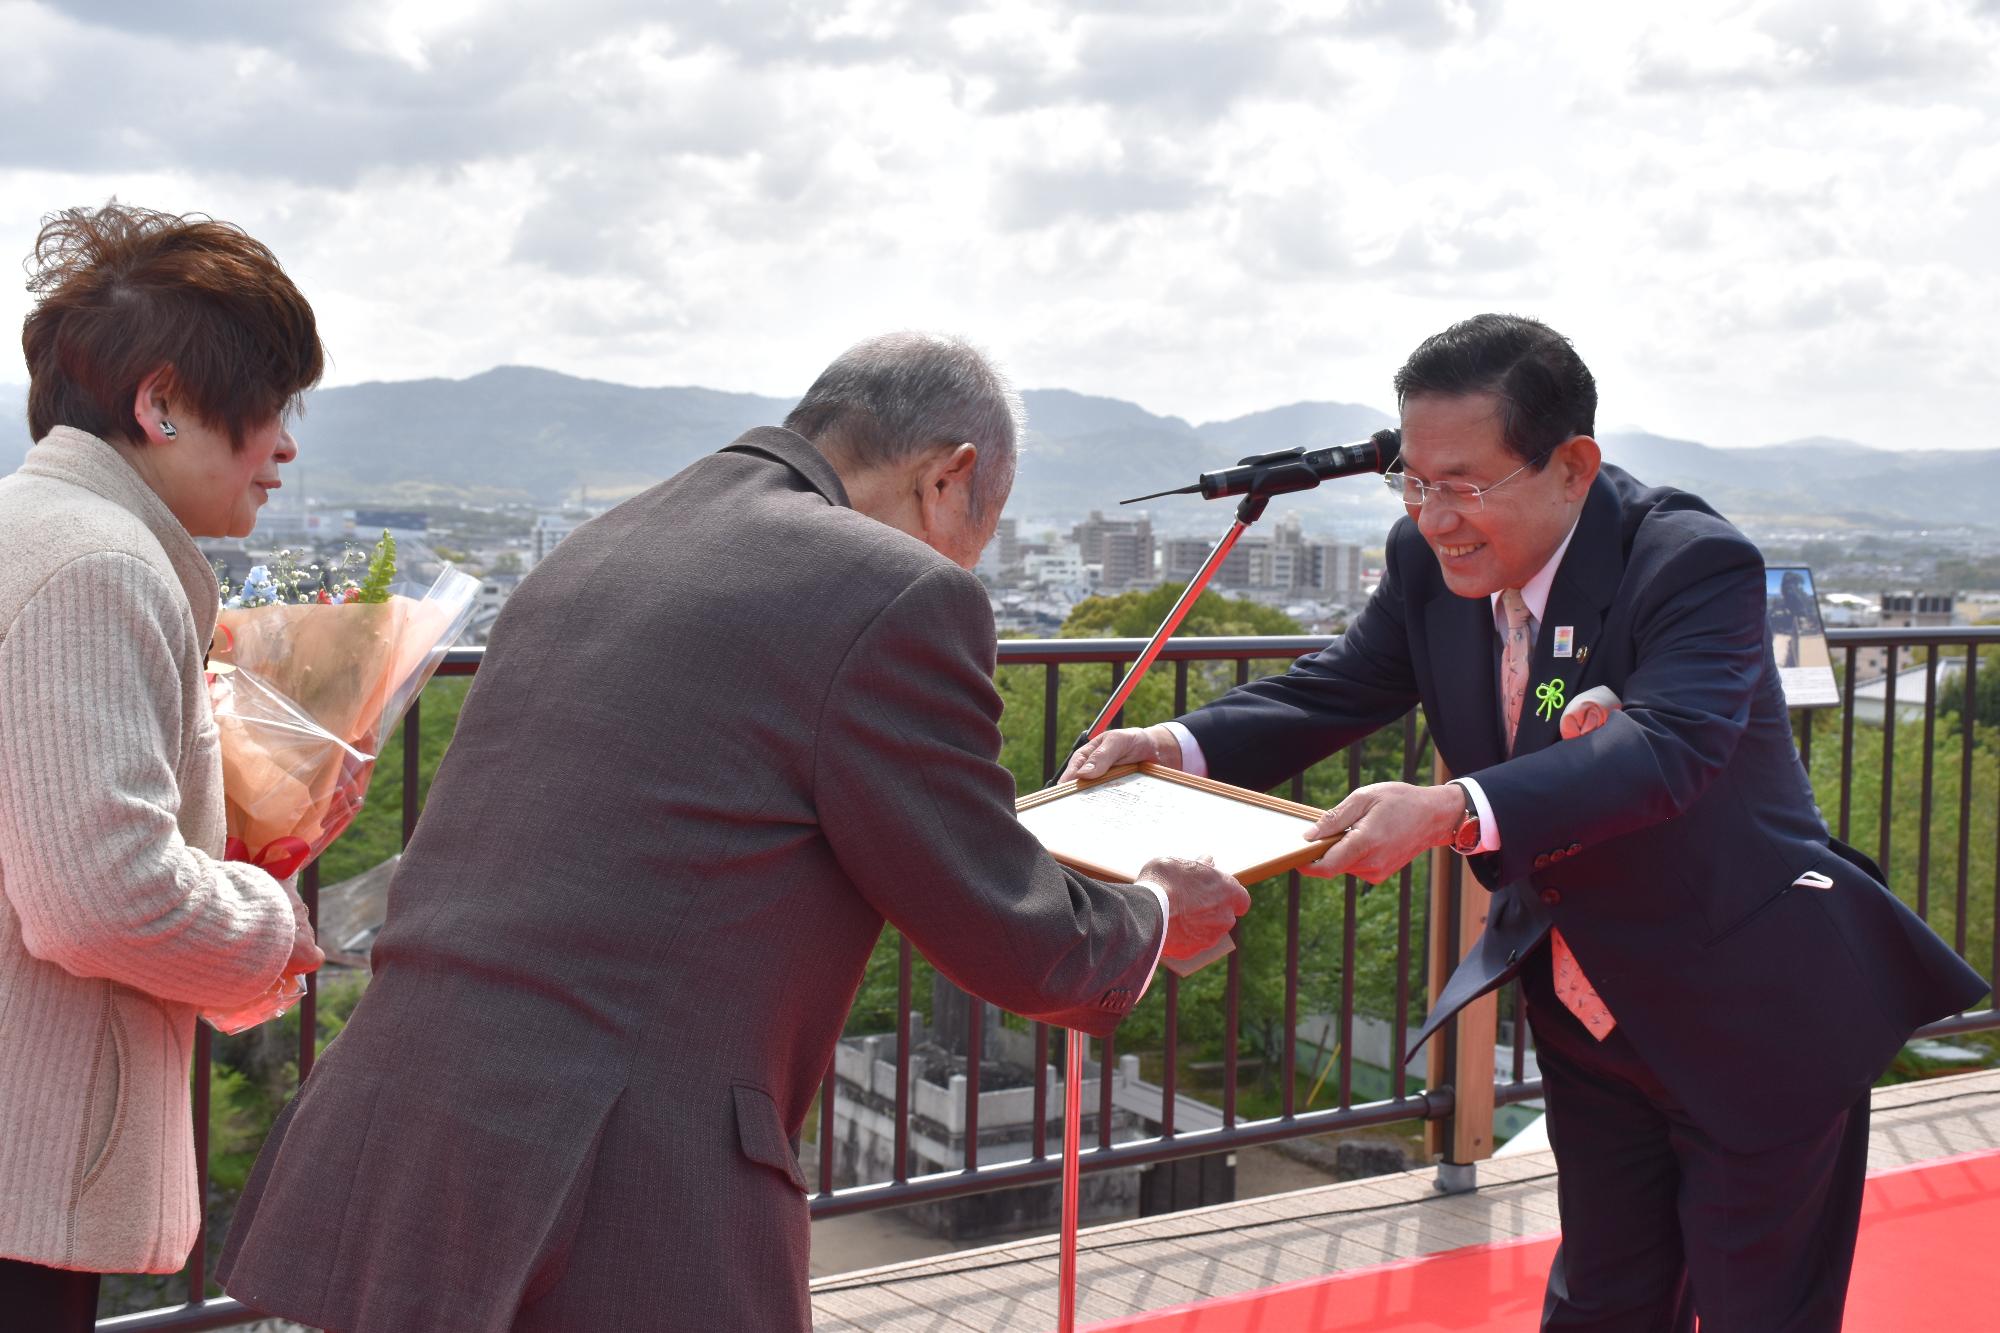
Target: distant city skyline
(1759, 219)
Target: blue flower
(258, 586)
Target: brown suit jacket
(720, 735)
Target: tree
(1084, 689)
(1133, 615)
(1986, 691)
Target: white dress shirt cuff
(1160, 894)
(1489, 832)
(1191, 759)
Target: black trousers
(1660, 1222)
(34, 1299)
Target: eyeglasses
(1461, 496)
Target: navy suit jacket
(1667, 843)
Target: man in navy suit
(1713, 982)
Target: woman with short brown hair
(164, 355)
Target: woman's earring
(167, 429)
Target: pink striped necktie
(1572, 987)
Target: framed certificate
(1111, 826)
(1798, 638)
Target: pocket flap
(762, 1135)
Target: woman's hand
(306, 953)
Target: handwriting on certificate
(1118, 825)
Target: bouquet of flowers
(307, 680)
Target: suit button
(1542, 861)
(1513, 957)
(1551, 897)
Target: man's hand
(1202, 902)
(1127, 745)
(1387, 825)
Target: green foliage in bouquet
(381, 571)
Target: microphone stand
(1276, 474)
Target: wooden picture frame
(1109, 827)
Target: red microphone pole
(1264, 477)
(1073, 1040)
(1256, 479)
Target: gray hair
(892, 398)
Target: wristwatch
(1466, 841)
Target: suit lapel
(1585, 583)
(1465, 720)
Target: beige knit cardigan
(118, 923)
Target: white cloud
(1757, 220)
(1835, 43)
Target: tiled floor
(1130, 1267)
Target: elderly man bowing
(720, 735)
(1712, 980)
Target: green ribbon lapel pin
(1548, 698)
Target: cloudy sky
(1758, 221)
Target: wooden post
(1462, 1053)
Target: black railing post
(1968, 721)
(1888, 817)
(975, 1054)
(1040, 1135)
(413, 758)
(1847, 746)
(309, 1006)
(1231, 1025)
(826, 1092)
(1924, 810)
(1290, 1053)
(1107, 1057)
(1398, 1077)
(197, 1266)
(1350, 925)
(1051, 702)
(903, 1030)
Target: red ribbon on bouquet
(280, 859)
(225, 642)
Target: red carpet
(1925, 1265)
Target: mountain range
(524, 435)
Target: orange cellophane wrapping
(303, 715)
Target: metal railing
(1043, 1163)
(1467, 1061)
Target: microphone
(1294, 469)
